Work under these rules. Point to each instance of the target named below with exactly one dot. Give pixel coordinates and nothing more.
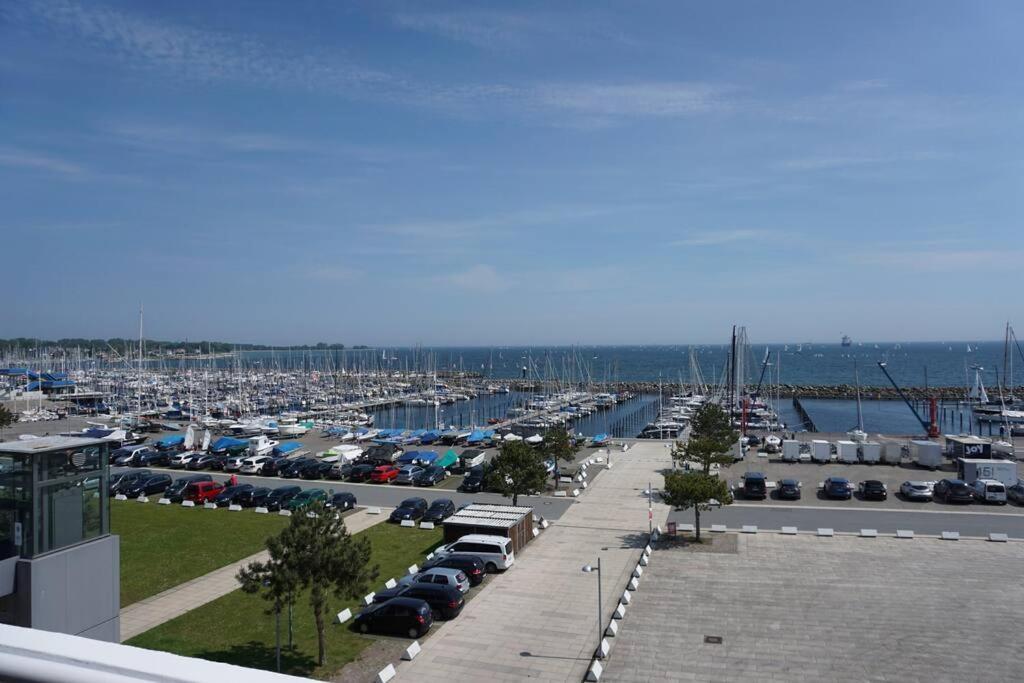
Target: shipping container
(972, 469)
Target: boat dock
(804, 417)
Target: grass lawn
(236, 629)
(164, 545)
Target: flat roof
(496, 516)
(48, 443)
(967, 438)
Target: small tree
(274, 581)
(558, 446)
(6, 418)
(314, 552)
(517, 470)
(711, 437)
(685, 490)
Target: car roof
(442, 501)
(481, 537)
(839, 480)
(873, 482)
(411, 502)
(789, 482)
(286, 489)
(753, 475)
(447, 571)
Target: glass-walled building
(55, 528)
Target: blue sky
(505, 173)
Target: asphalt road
(389, 495)
(886, 520)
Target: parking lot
(800, 608)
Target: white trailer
(821, 451)
(790, 450)
(846, 451)
(870, 452)
(892, 453)
(970, 470)
(926, 454)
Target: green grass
(237, 630)
(165, 545)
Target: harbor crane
(930, 428)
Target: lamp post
(587, 568)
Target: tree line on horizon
(124, 346)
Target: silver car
(916, 490)
(444, 576)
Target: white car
(917, 490)
(182, 459)
(443, 576)
(989, 491)
(495, 551)
(254, 465)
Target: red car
(383, 474)
(203, 491)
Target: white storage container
(790, 450)
(926, 454)
(892, 453)
(846, 451)
(821, 451)
(870, 452)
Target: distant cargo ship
(847, 341)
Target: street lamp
(588, 569)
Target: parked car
(405, 616)
(470, 565)
(410, 508)
(444, 576)
(431, 476)
(1015, 493)
(227, 495)
(147, 486)
(446, 602)
(753, 485)
(180, 460)
(342, 501)
(361, 472)
(439, 510)
(233, 463)
(203, 491)
(872, 489)
(953, 491)
(789, 489)
(407, 475)
(176, 490)
(201, 462)
(989, 491)
(916, 490)
(306, 498)
(254, 464)
(382, 474)
(473, 482)
(292, 469)
(495, 551)
(837, 488)
(122, 456)
(271, 467)
(279, 498)
(254, 497)
(130, 457)
(340, 471)
(317, 469)
(122, 479)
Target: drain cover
(714, 640)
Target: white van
(495, 551)
(989, 491)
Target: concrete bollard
(604, 648)
(644, 559)
(142, 499)
(904, 533)
(620, 611)
(386, 674)
(408, 523)
(390, 583)
(626, 597)
(234, 508)
(285, 513)
(373, 511)
(869, 533)
(188, 503)
(430, 556)
(368, 599)
(634, 583)
(343, 616)
(575, 493)
(718, 528)
(414, 568)
(595, 671)
(613, 629)
(411, 651)
(749, 529)
(261, 510)
(536, 532)
(164, 501)
(789, 530)
(426, 525)
(560, 494)
(823, 531)
(647, 549)
(209, 506)
(584, 484)
(544, 524)
(950, 536)
(998, 538)
(638, 571)
(120, 496)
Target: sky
(392, 173)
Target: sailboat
(857, 434)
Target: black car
(342, 501)
(340, 472)
(145, 486)
(440, 510)
(317, 469)
(293, 468)
(410, 508)
(872, 489)
(431, 476)
(404, 616)
(445, 601)
(219, 461)
(228, 495)
(202, 462)
(753, 485)
(149, 458)
(382, 454)
(125, 479)
(953, 491)
(789, 489)
(473, 482)
(837, 487)
(176, 491)
(253, 498)
(470, 565)
(361, 472)
(273, 466)
(280, 497)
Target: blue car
(838, 487)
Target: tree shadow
(257, 655)
(634, 540)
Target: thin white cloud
(480, 278)
(947, 260)
(650, 99)
(333, 273)
(42, 162)
(485, 225)
(718, 237)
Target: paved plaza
(801, 608)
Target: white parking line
(837, 508)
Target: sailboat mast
(139, 398)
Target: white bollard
(285, 513)
(620, 611)
(368, 599)
(426, 525)
(234, 508)
(559, 494)
(390, 583)
(595, 671)
(634, 584)
(584, 484)
(950, 535)
(142, 499)
(749, 529)
(904, 533)
(647, 549)
(718, 528)
(627, 597)
(120, 496)
(823, 531)
(430, 556)
(413, 569)
(998, 538)
(612, 630)
(209, 506)
(261, 510)
(638, 571)
(188, 503)
(386, 674)
(164, 501)
(575, 493)
(869, 533)
(373, 511)
(789, 530)
(343, 616)
(644, 559)
(604, 648)
(411, 651)
(536, 532)
(409, 523)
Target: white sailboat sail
(206, 440)
(190, 438)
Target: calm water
(944, 364)
(886, 417)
